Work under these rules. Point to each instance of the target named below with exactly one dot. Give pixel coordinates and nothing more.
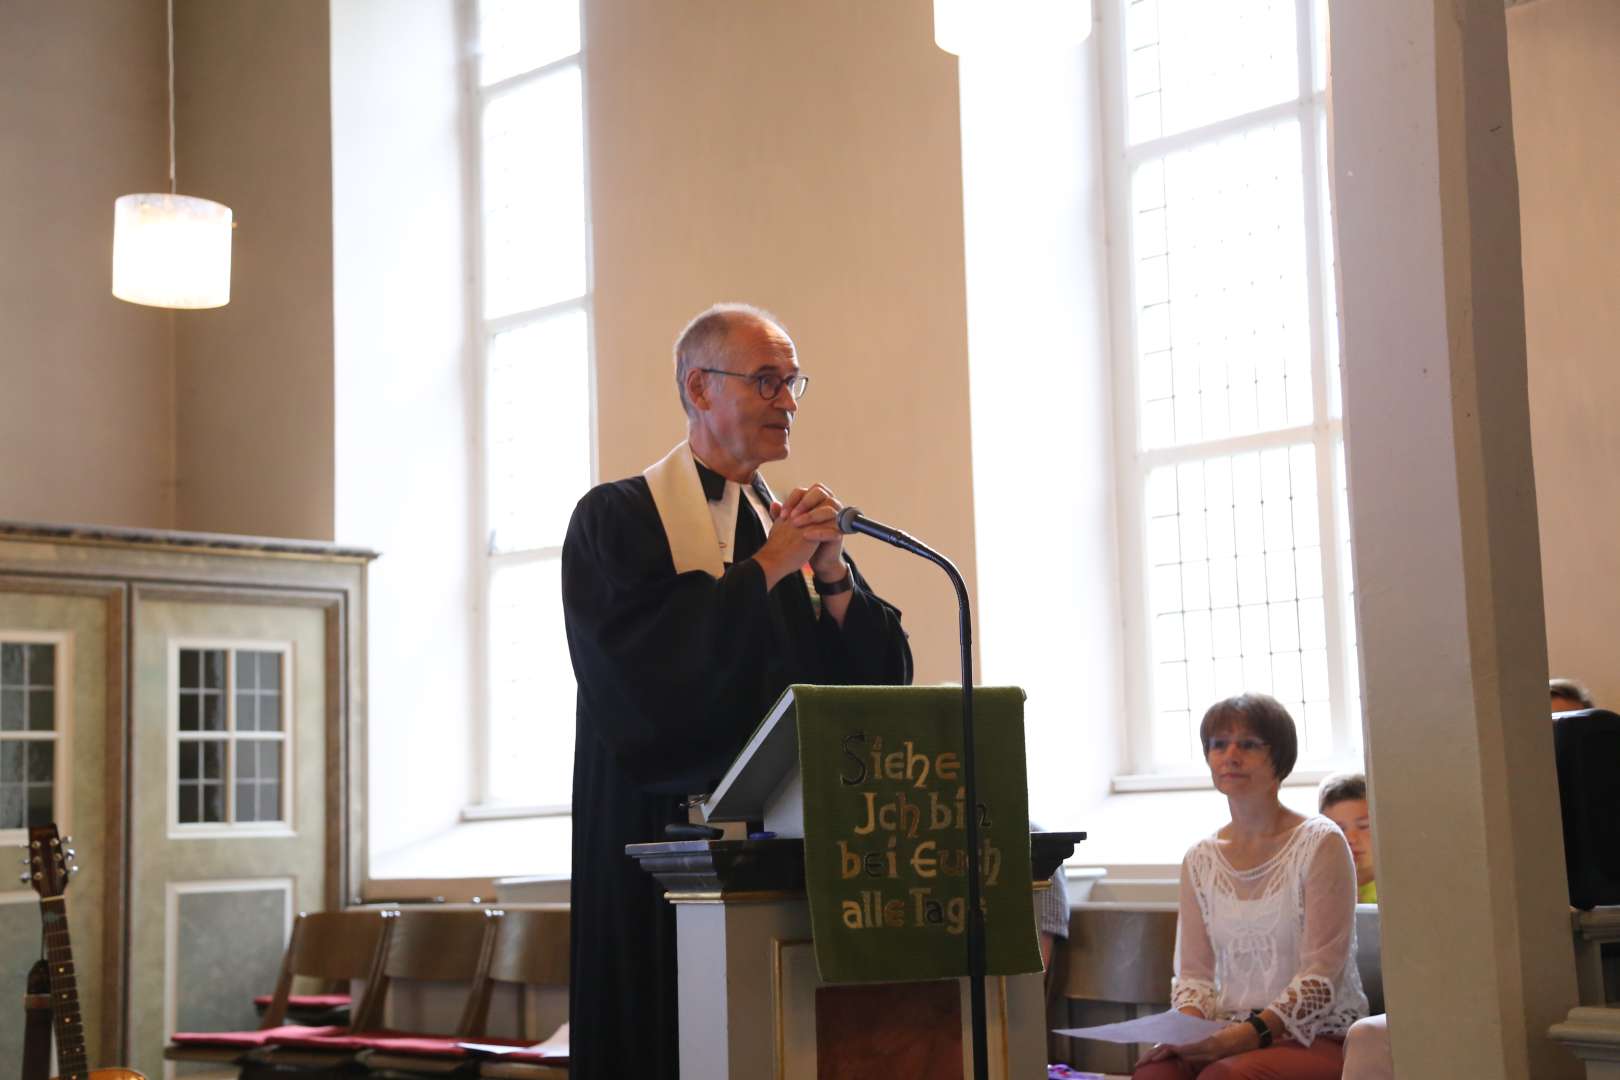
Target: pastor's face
(754, 429)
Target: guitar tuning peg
(73, 869)
(69, 852)
(23, 877)
(67, 840)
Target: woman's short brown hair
(1261, 714)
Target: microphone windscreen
(846, 518)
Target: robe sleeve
(871, 648)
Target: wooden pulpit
(753, 1003)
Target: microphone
(851, 520)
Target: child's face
(1354, 820)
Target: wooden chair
(1120, 958)
(528, 962)
(445, 951)
(326, 947)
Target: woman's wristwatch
(1255, 1021)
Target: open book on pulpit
(871, 777)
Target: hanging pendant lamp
(171, 250)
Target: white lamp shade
(972, 27)
(171, 251)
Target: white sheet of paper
(1174, 1028)
(554, 1047)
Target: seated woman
(1266, 937)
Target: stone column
(1477, 953)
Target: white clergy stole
(700, 533)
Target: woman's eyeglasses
(1248, 745)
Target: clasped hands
(804, 530)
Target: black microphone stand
(850, 520)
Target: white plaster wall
(403, 448)
(86, 402)
(1564, 61)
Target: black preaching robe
(674, 672)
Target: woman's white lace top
(1280, 936)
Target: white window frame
(1325, 433)
(61, 736)
(482, 332)
(230, 828)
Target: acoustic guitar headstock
(49, 862)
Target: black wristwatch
(1260, 1025)
(833, 588)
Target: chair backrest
(530, 949)
(531, 946)
(1370, 956)
(428, 946)
(331, 946)
(1122, 954)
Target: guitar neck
(65, 1015)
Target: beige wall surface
(254, 379)
(803, 156)
(86, 414)
(1564, 59)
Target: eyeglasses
(768, 383)
(1219, 743)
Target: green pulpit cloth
(885, 850)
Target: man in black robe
(683, 632)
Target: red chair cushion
(308, 1001)
(250, 1039)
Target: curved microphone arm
(850, 520)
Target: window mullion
(477, 350)
(1166, 145)
(1139, 708)
(1236, 444)
(519, 319)
(228, 769)
(1310, 121)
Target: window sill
(274, 831)
(530, 845)
(1131, 783)
(510, 812)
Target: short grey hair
(1569, 688)
(703, 343)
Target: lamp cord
(172, 187)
